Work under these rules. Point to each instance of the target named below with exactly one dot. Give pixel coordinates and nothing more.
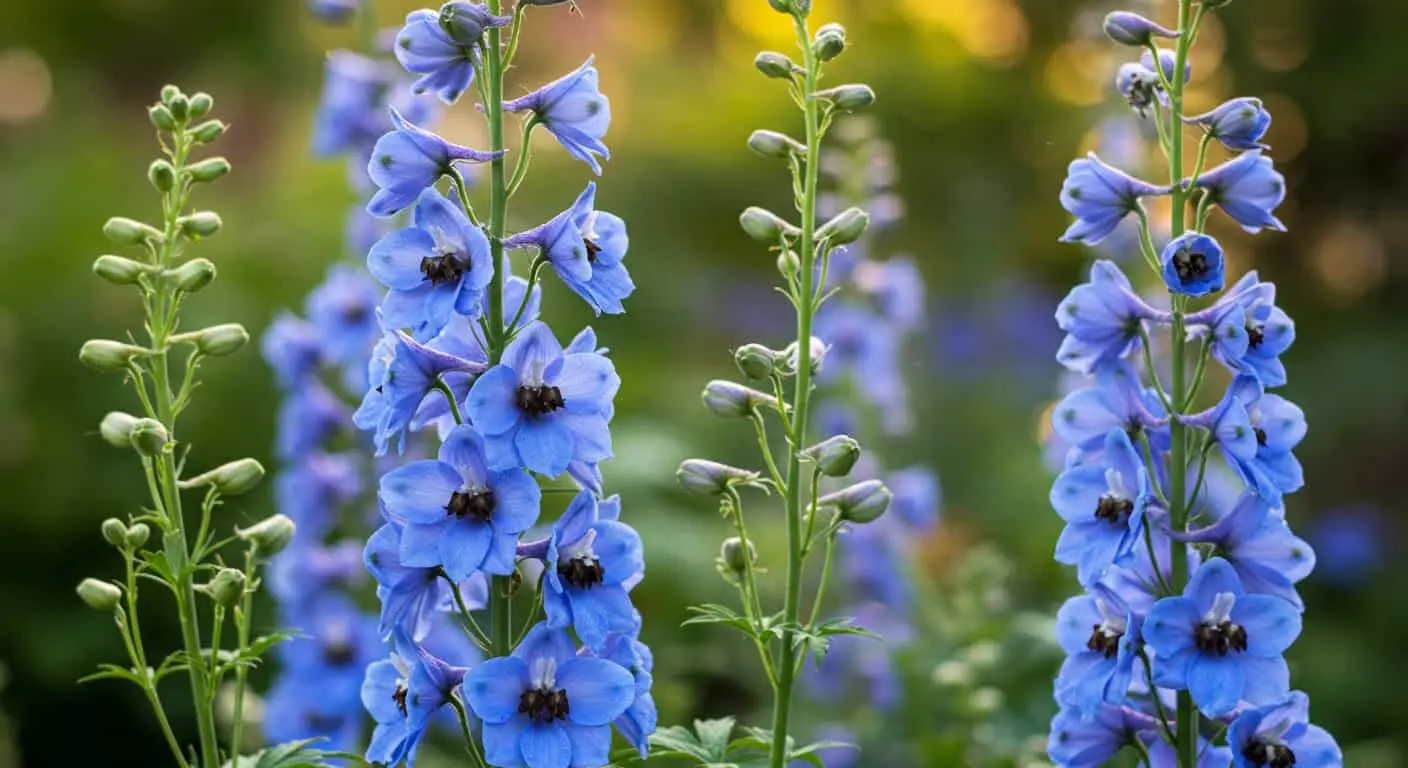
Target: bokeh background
(984, 102)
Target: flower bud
(846, 227)
(850, 97)
(108, 356)
(232, 478)
(180, 107)
(219, 340)
(774, 144)
(137, 535)
(201, 104)
(200, 224)
(765, 226)
(226, 587)
(863, 502)
(149, 437)
(116, 428)
(710, 478)
(834, 456)
(782, 6)
(193, 275)
(734, 401)
(755, 361)
(209, 169)
(736, 555)
(817, 348)
(1134, 30)
(830, 42)
(208, 131)
(270, 535)
(465, 22)
(99, 595)
(168, 93)
(1239, 124)
(161, 175)
(161, 117)
(788, 265)
(118, 270)
(774, 65)
(114, 532)
(124, 231)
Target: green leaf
(294, 754)
(713, 736)
(677, 741)
(720, 614)
(113, 672)
(809, 752)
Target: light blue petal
(1216, 683)
(493, 689)
(598, 690)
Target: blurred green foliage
(985, 102)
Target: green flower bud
(116, 428)
(710, 478)
(99, 595)
(788, 265)
(161, 117)
(765, 226)
(137, 535)
(834, 456)
(830, 42)
(816, 351)
(782, 6)
(114, 532)
(169, 92)
(161, 175)
(193, 275)
(208, 131)
(108, 356)
(149, 437)
(118, 270)
(209, 169)
(226, 587)
(232, 478)
(860, 503)
(849, 97)
(201, 104)
(736, 556)
(774, 65)
(774, 144)
(755, 361)
(200, 224)
(219, 340)
(734, 401)
(124, 231)
(846, 227)
(180, 107)
(270, 535)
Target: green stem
(471, 746)
(138, 651)
(525, 153)
(244, 614)
(787, 665)
(752, 604)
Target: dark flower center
(478, 505)
(442, 268)
(1255, 335)
(1221, 637)
(592, 250)
(536, 401)
(1260, 435)
(1113, 509)
(338, 652)
(399, 696)
(582, 572)
(1258, 752)
(356, 314)
(1190, 265)
(322, 723)
(544, 706)
(1105, 641)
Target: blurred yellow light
(1207, 54)
(758, 19)
(1077, 73)
(1350, 258)
(994, 30)
(25, 85)
(1280, 42)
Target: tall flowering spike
(408, 160)
(1210, 578)
(575, 111)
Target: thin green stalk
(244, 614)
(135, 647)
(787, 665)
(752, 604)
(471, 746)
(525, 153)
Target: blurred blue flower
(343, 310)
(334, 11)
(575, 111)
(1350, 542)
(350, 109)
(308, 417)
(312, 490)
(293, 348)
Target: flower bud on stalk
(774, 65)
(734, 401)
(209, 170)
(118, 270)
(226, 587)
(755, 361)
(161, 175)
(230, 479)
(120, 230)
(201, 104)
(200, 224)
(710, 478)
(830, 42)
(108, 356)
(114, 532)
(161, 117)
(271, 535)
(736, 556)
(219, 340)
(834, 456)
(765, 226)
(1134, 30)
(850, 97)
(137, 535)
(99, 595)
(846, 227)
(149, 437)
(208, 131)
(774, 144)
(193, 275)
(863, 502)
(116, 428)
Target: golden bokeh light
(25, 85)
(1350, 259)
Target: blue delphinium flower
(1221, 644)
(542, 407)
(308, 416)
(403, 374)
(1085, 417)
(545, 705)
(1279, 426)
(1100, 635)
(639, 720)
(293, 348)
(1247, 330)
(444, 48)
(1193, 265)
(1351, 544)
(1078, 741)
(1103, 506)
(1132, 29)
(589, 563)
(343, 310)
(1101, 318)
(349, 109)
(1268, 558)
(575, 111)
(307, 569)
(1140, 87)
(1162, 755)
(1239, 124)
(1247, 188)
(384, 692)
(438, 266)
(1281, 735)
(334, 11)
(1100, 197)
(407, 160)
(458, 514)
(311, 491)
(1168, 62)
(412, 596)
(587, 250)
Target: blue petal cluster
(1139, 633)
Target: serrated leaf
(809, 752)
(713, 736)
(294, 754)
(677, 741)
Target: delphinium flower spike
(1191, 596)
